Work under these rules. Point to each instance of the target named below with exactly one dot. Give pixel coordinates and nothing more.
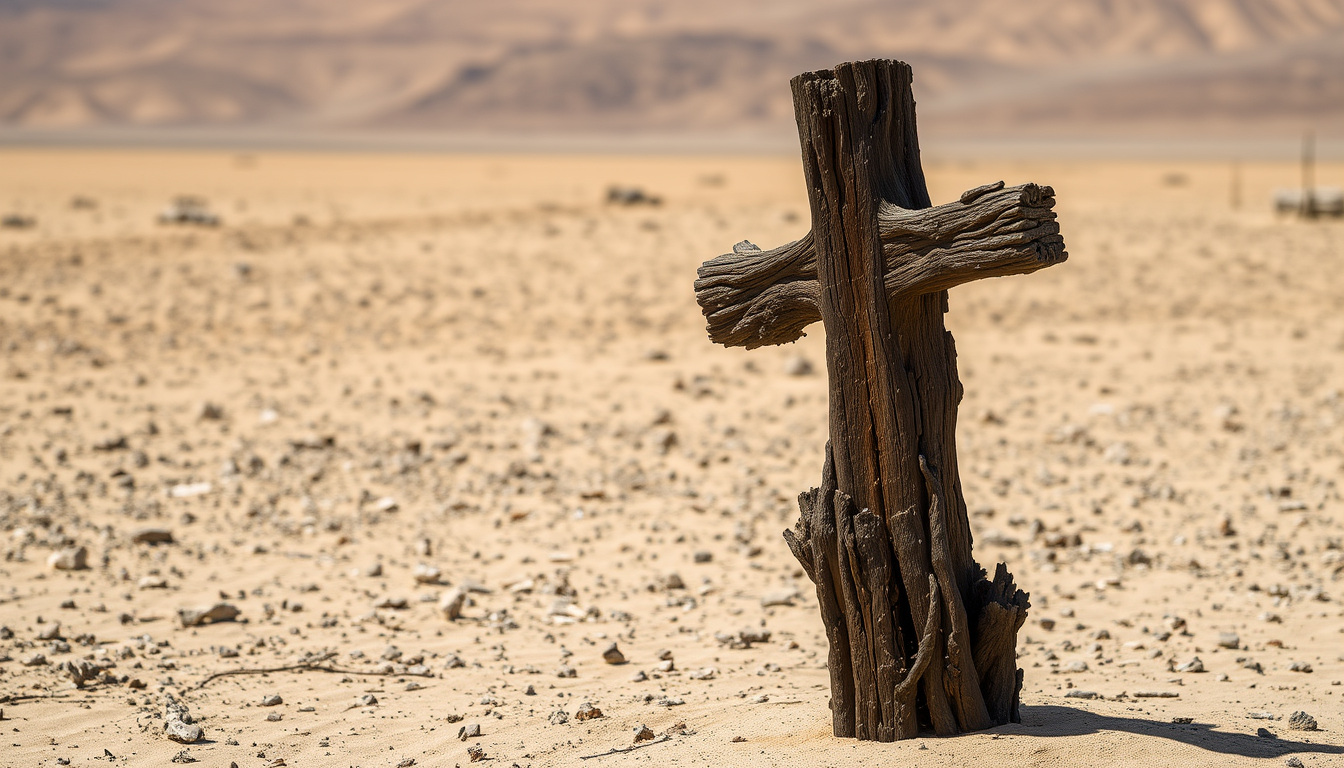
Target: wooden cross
(919, 637)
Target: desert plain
(442, 429)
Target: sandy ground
(474, 364)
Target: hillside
(983, 68)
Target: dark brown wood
(919, 637)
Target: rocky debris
(189, 209)
(426, 574)
(1300, 666)
(69, 559)
(50, 632)
(1081, 694)
(197, 617)
(452, 603)
(559, 717)
(621, 195)
(272, 700)
(469, 731)
(587, 711)
(33, 660)
(476, 753)
(743, 639)
(178, 724)
(391, 603)
(1157, 694)
(1076, 666)
(613, 655)
(152, 582)
(1301, 721)
(779, 597)
(704, 673)
(152, 536)
(643, 733)
(80, 671)
(564, 670)
(374, 571)
(1294, 761)
(1193, 665)
(798, 366)
(367, 700)
(1229, 640)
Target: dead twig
(307, 664)
(14, 698)
(622, 750)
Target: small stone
(273, 700)
(1156, 694)
(1301, 721)
(703, 556)
(1299, 666)
(367, 700)
(80, 671)
(152, 582)
(452, 603)
(587, 711)
(738, 739)
(639, 677)
(374, 571)
(393, 603)
(152, 536)
(50, 632)
(469, 731)
(613, 655)
(274, 717)
(778, 597)
(1076, 666)
(183, 733)
(1294, 762)
(798, 366)
(564, 670)
(196, 617)
(476, 753)
(69, 559)
(1080, 694)
(391, 653)
(406, 762)
(643, 733)
(35, 660)
(1229, 640)
(704, 673)
(426, 574)
(1047, 623)
(559, 717)
(1193, 665)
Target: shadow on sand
(1051, 720)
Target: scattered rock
(469, 731)
(798, 366)
(779, 597)
(152, 536)
(643, 733)
(476, 753)
(1229, 640)
(559, 717)
(196, 617)
(564, 670)
(272, 700)
(704, 673)
(587, 711)
(1299, 666)
(80, 671)
(1080, 694)
(426, 574)
(452, 603)
(69, 559)
(1301, 721)
(1156, 694)
(1193, 665)
(613, 655)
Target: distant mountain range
(983, 68)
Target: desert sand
(384, 381)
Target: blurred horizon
(1225, 75)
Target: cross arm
(754, 298)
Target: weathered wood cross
(919, 637)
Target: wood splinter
(919, 638)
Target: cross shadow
(1053, 720)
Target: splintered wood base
(919, 637)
